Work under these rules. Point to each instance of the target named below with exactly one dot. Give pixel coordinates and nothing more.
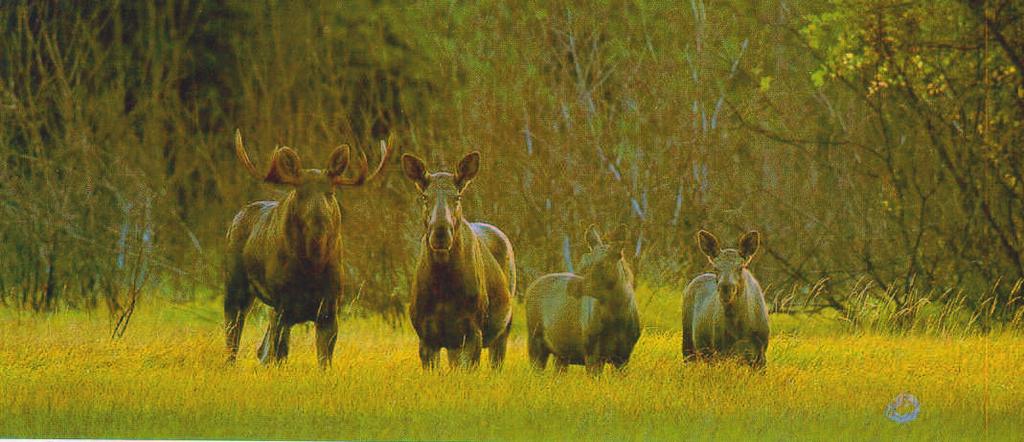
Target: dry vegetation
(873, 141)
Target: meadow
(63, 376)
(874, 144)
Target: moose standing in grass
(287, 253)
(465, 275)
(724, 312)
(587, 318)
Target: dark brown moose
(465, 275)
(287, 253)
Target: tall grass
(64, 377)
(895, 310)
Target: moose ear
(285, 167)
(415, 170)
(708, 244)
(749, 243)
(467, 170)
(593, 237)
(338, 161)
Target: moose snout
(440, 238)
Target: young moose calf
(588, 318)
(287, 253)
(465, 275)
(724, 313)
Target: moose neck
(311, 230)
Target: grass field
(62, 376)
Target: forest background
(875, 144)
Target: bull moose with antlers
(287, 253)
(465, 276)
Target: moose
(724, 312)
(589, 318)
(465, 274)
(287, 252)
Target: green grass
(62, 376)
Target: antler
(244, 157)
(362, 167)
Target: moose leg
(538, 352)
(326, 337)
(757, 361)
(496, 351)
(561, 364)
(234, 322)
(282, 342)
(595, 365)
(760, 347)
(689, 350)
(264, 350)
(468, 355)
(272, 340)
(620, 363)
(745, 350)
(429, 356)
(237, 302)
(595, 353)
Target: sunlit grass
(62, 376)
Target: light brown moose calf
(465, 275)
(287, 253)
(589, 318)
(724, 312)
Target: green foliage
(941, 80)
